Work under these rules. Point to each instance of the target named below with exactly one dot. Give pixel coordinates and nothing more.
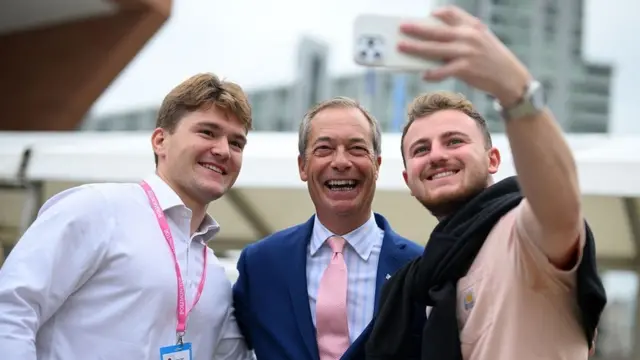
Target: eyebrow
(444, 135)
(216, 127)
(449, 134)
(209, 125)
(422, 140)
(352, 140)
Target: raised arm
(544, 163)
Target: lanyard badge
(181, 349)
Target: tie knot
(336, 243)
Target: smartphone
(375, 41)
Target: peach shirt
(514, 304)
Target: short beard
(448, 205)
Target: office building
(547, 35)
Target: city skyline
(193, 41)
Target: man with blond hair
(509, 272)
(123, 271)
(307, 292)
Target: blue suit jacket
(270, 295)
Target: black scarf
(431, 281)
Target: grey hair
(338, 102)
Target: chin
(445, 194)
(443, 203)
(217, 193)
(213, 191)
(442, 206)
(342, 207)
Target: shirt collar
(169, 199)
(359, 239)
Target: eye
(360, 150)
(420, 149)
(207, 133)
(237, 144)
(322, 150)
(455, 141)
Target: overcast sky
(253, 43)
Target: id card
(176, 352)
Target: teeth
(212, 168)
(443, 174)
(341, 183)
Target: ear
(494, 160)
(406, 180)
(158, 142)
(378, 163)
(302, 168)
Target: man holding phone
(509, 272)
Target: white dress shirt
(93, 278)
(361, 256)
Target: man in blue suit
(309, 291)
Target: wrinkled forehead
(340, 125)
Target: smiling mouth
(341, 185)
(443, 174)
(213, 168)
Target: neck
(198, 210)
(341, 224)
(453, 205)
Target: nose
(220, 149)
(438, 155)
(340, 161)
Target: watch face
(532, 102)
(538, 97)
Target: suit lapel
(388, 264)
(390, 258)
(298, 286)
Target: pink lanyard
(166, 231)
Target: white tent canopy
(269, 194)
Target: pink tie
(331, 307)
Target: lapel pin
(388, 277)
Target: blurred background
(81, 82)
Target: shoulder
(78, 215)
(88, 201)
(411, 247)
(83, 200)
(273, 247)
(275, 240)
(121, 194)
(408, 249)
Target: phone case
(375, 43)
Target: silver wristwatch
(532, 102)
